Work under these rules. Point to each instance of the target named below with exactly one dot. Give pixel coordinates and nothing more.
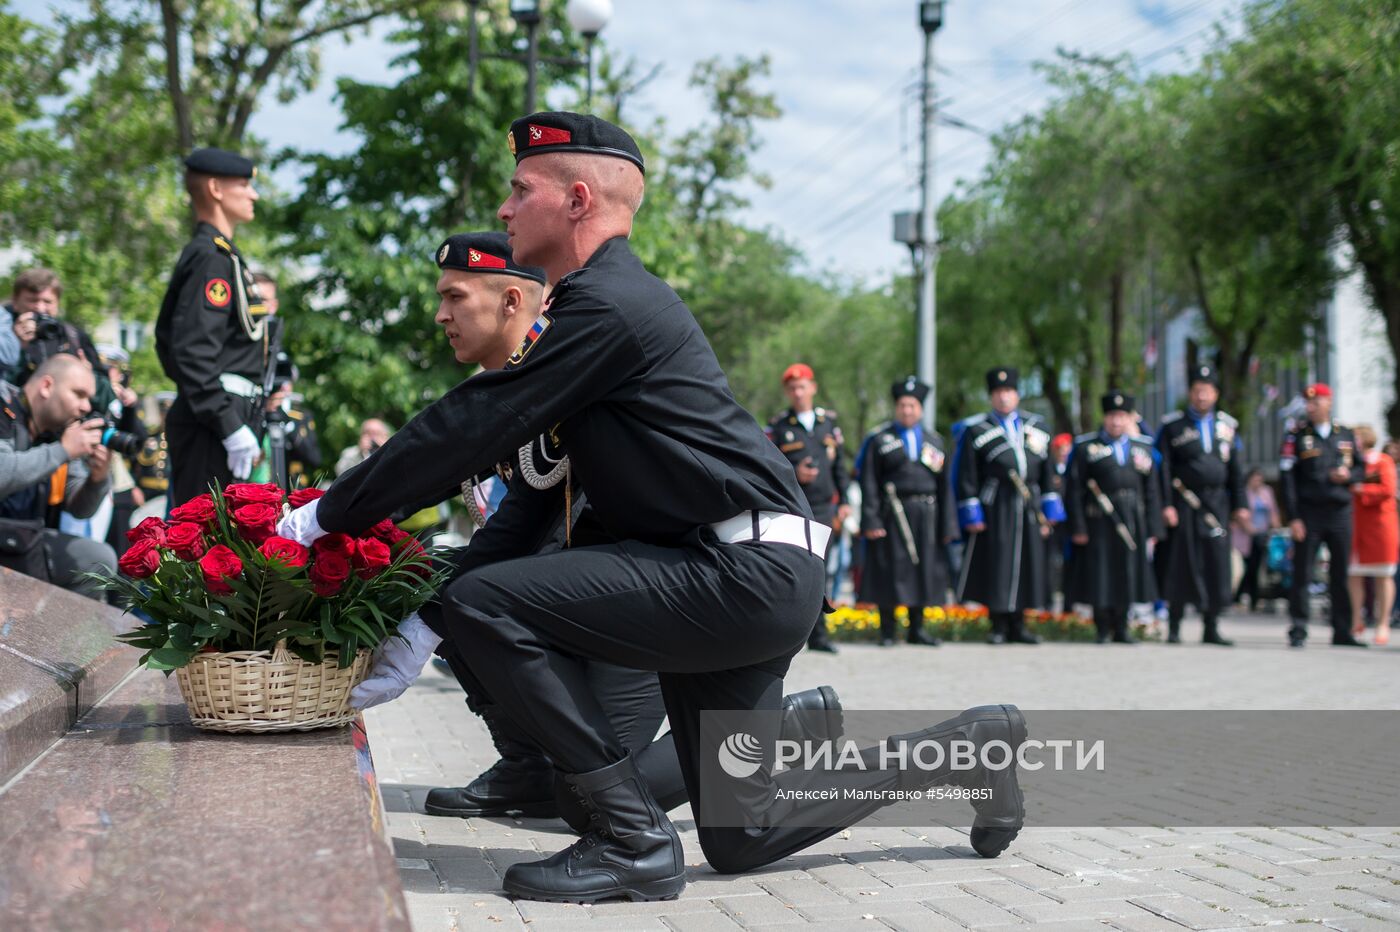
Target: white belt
(773, 527)
(236, 384)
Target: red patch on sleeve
(1288, 447)
(218, 293)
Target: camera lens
(119, 441)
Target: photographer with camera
(53, 458)
(374, 433)
(40, 332)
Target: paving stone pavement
(929, 879)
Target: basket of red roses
(262, 633)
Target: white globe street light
(589, 17)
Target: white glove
(300, 524)
(396, 663)
(242, 446)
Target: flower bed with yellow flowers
(966, 623)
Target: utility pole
(930, 19)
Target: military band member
(907, 515)
(1002, 480)
(810, 438)
(212, 335)
(1203, 488)
(1318, 465)
(1115, 515)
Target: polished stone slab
(34, 711)
(134, 820)
(70, 637)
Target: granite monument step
(136, 819)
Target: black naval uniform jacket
(199, 335)
(1304, 466)
(1105, 572)
(1194, 565)
(823, 446)
(1004, 566)
(619, 369)
(891, 577)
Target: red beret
(1062, 440)
(1318, 390)
(798, 370)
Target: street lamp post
(930, 20)
(588, 17)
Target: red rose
(287, 552)
(416, 555)
(304, 496)
(329, 572)
(371, 557)
(219, 565)
(253, 493)
(255, 522)
(149, 529)
(384, 530)
(141, 559)
(186, 539)
(342, 544)
(199, 510)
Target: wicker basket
(262, 691)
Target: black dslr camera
(119, 441)
(48, 329)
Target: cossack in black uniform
(1199, 463)
(1002, 479)
(1310, 454)
(1106, 570)
(906, 468)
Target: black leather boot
(1016, 632)
(810, 715)
(1000, 818)
(1212, 633)
(917, 634)
(630, 851)
(1121, 635)
(998, 632)
(521, 781)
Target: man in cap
(212, 334)
(907, 515)
(811, 440)
(1002, 479)
(715, 573)
(1113, 498)
(1203, 488)
(1318, 465)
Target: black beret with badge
(220, 163)
(561, 131)
(1002, 377)
(484, 252)
(910, 386)
(1118, 401)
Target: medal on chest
(932, 457)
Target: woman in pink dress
(1375, 535)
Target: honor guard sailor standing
(811, 440)
(1001, 478)
(1115, 513)
(907, 515)
(212, 335)
(1203, 487)
(1318, 465)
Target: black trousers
(1249, 583)
(889, 627)
(197, 454)
(630, 698)
(1111, 621)
(1330, 526)
(719, 623)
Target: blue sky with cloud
(844, 156)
